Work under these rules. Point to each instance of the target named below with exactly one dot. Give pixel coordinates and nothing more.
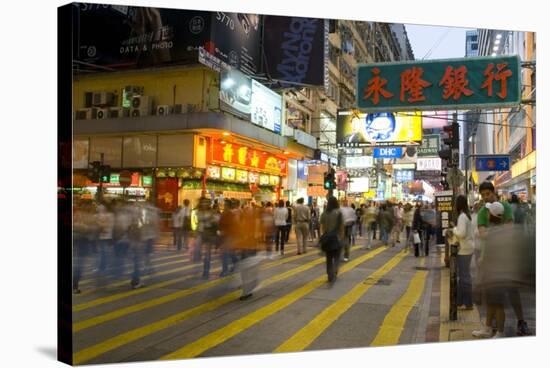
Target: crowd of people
(489, 233)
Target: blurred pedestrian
(315, 227)
(348, 216)
(248, 247)
(106, 223)
(228, 233)
(484, 223)
(408, 217)
(417, 229)
(288, 221)
(387, 221)
(280, 215)
(207, 228)
(359, 212)
(464, 233)
(370, 217)
(302, 218)
(332, 229)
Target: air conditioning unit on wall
(103, 99)
(164, 110)
(83, 114)
(180, 109)
(119, 112)
(100, 113)
(141, 106)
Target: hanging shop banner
(428, 164)
(247, 158)
(359, 162)
(432, 177)
(242, 96)
(264, 179)
(359, 185)
(444, 208)
(295, 49)
(316, 174)
(430, 146)
(402, 176)
(316, 191)
(464, 83)
(213, 172)
(388, 152)
(242, 176)
(357, 129)
(129, 37)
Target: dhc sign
(388, 152)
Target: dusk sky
(449, 42)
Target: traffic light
(452, 139)
(330, 180)
(94, 172)
(105, 172)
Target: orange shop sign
(247, 157)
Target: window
(474, 46)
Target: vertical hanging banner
(295, 49)
(464, 83)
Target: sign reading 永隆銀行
(439, 84)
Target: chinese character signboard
(430, 145)
(478, 82)
(247, 158)
(492, 163)
(356, 129)
(402, 176)
(444, 208)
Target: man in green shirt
(487, 191)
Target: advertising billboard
(244, 97)
(295, 49)
(359, 185)
(356, 129)
(130, 37)
(388, 152)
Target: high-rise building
(472, 44)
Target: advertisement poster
(249, 99)
(266, 108)
(356, 129)
(359, 162)
(167, 194)
(295, 50)
(402, 176)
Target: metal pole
(100, 188)
(453, 289)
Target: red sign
(125, 178)
(247, 157)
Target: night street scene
(259, 184)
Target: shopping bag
(416, 237)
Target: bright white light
(244, 91)
(499, 36)
(494, 54)
(228, 83)
(497, 42)
(495, 48)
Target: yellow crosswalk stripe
(305, 337)
(89, 274)
(94, 321)
(130, 336)
(394, 322)
(234, 328)
(144, 278)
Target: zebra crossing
(180, 315)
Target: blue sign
(302, 170)
(493, 163)
(402, 176)
(388, 152)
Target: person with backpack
(332, 229)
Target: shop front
(140, 188)
(243, 172)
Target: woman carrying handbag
(332, 228)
